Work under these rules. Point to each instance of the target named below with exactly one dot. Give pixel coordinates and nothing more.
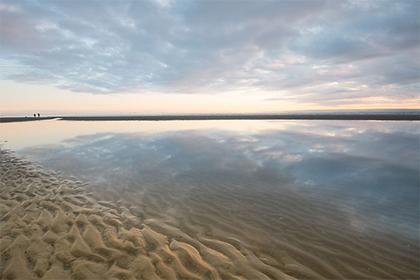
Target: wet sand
(55, 227)
(319, 116)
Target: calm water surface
(205, 176)
(370, 168)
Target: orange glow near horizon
(22, 99)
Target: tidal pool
(333, 199)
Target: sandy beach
(53, 227)
(384, 116)
(231, 140)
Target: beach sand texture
(53, 228)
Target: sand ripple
(53, 228)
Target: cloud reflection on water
(369, 170)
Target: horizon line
(397, 115)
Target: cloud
(208, 47)
(354, 32)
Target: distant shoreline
(349, 116)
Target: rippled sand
(52, 227)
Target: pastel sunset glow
(169, 57)
(209, 139)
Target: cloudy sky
(192, 56)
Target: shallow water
(333, 189)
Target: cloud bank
(324, 52)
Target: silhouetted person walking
(39, 115)
(34, 115)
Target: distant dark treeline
(379, 117)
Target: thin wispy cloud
(324, 52)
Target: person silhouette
(39, 115)
(34, 115)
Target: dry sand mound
(52, 228)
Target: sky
(202, 56)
